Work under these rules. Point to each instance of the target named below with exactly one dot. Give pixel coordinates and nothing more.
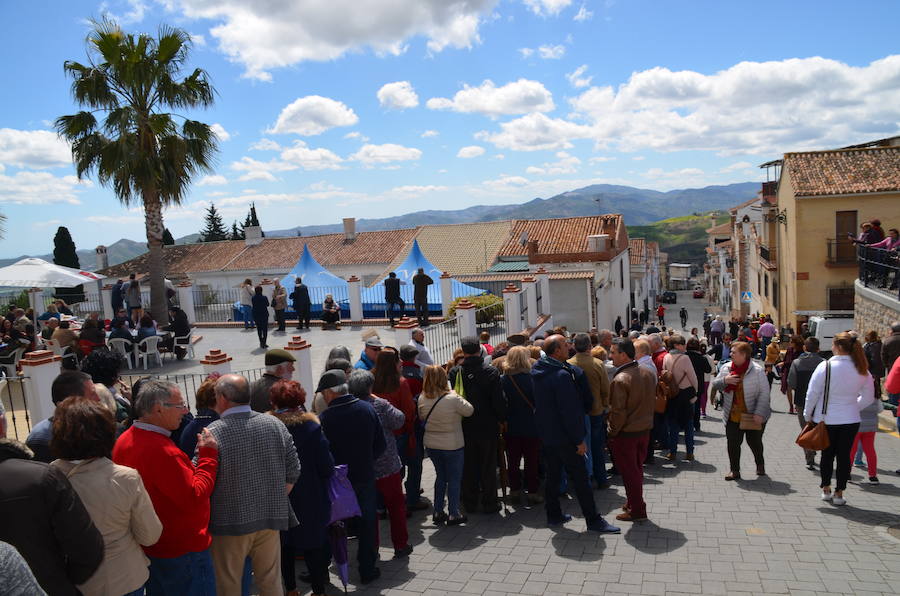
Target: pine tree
(215, 230)
(65, 254)
(167, 238)
(236, 233)
(252, 220)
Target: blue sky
(372, 108)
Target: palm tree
(139, 150)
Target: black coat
(392, 290)
(260, 307)
(46, 521)
(420, 283)
(355, 436)
(484, 392)
(300, 297)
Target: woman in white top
(442, 411)
(850, 389)
(246, 295)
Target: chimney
(349, 229)
(598, 243)
(102, 257)
(252, 235)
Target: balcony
(769, 256)
(770, 192)
(880, 269)
(841, 253)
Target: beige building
(821, 197)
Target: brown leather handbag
(815, 436)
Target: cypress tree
(167, 238)
(65, 254)
(215, 230)
(236, 233)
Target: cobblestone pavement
(767, 535)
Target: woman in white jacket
(746, 390)
(442, 411)
(845, 380)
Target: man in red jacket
(180, 562)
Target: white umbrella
(38, 273)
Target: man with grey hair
(180, 561)
(356, 439)
(279, 365)
(598, 382)
(605, 336)
(423, 358)
(258, 467)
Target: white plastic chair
(186, 342)
(147, 348)
(58, 350)
(123, 347)
(9, 368)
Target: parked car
(669, 297)
(699, 293)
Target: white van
(824, 328)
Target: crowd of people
(124, 490)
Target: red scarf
(738, 370)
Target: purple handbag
(343, 499)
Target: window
(840, 298)
(774, 293)
(766, 285)
(622, 274)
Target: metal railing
(190, 382)
(767, 254)
(879, 268)
(220, 305)
(12, 395)
(442, 339)
(840, 251)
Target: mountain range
(639, 206)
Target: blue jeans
(188, 575)
(894, 398)
(367, 554)
(598, 448)
(448, 467)
(680, 416)
(247, 314)
(765, 344)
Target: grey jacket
(799, 373)
(868, 417)
(756, 391)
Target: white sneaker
(839, 501)
(827, 496)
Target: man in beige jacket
(595, 372)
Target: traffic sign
(747, 297)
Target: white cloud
(135, 13)
(114, 219)
(638, 158)
(266, 35)
(398, 96)
(526, 52)
(220, 131)
(213, 180)
(47, 223)
(470, 152)
(740, 165)
(504, 182)
(535, 132)
(217, 193)
(381, 154)
(311, 159)
(265, 145)
(499, 156)
(552, 52)
(418, 189)
(760, 108)
(684, 175)
(577, 79)
(40, 188)
(583, 14)
(547, 7)
(357, 135)
(36, 149)
(567, 164)
(429, 133)
(313, 115)
(260, 170)
(521, 97)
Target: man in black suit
(392, 296)
(421, 281)
(300, 302)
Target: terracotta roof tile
(636, 251)
(518, 276)
(459, 249)
(720, 230)
(562, 235)
(181, 259)
(846, 171)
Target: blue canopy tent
(373, 297)
(320, 281)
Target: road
(694, 307)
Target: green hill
(683, 238)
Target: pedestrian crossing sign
(747, 297)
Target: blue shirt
(39, 440)
(364, 362)
(236, 410)
(152, 428)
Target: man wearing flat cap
(356, 439)
(279, 365)
(369, 354)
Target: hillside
(118, 252)
(638, 206)
(683, 238)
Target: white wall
(571, 303)
(613, 299)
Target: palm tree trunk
(153, 221)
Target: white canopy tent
(38, 273)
